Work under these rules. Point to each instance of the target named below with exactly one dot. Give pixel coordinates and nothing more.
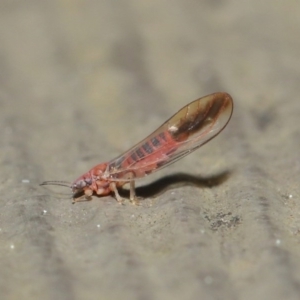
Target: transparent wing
(191, 127)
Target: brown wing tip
(223, 95)
(227, 100)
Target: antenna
(61, 183)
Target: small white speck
(25, 180)
(290, 196)
(278, 242)
(173, 128)
(202, 231)
(98, 225)
(44, 212)
(132, 216)
(12, 246)
(208, 280)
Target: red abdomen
(145, 158)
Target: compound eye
(80, 184)
(88, 181)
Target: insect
(191, 127)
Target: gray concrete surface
(82, 81)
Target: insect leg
(82, 198)
(133, 198)
(114, 189)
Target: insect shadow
(176, 180)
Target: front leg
(87, 196)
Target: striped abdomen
(143, 158)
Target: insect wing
(191, 127)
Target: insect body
(191, 127)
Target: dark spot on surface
(264, 118)
(223, 220)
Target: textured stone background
(81, 81)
